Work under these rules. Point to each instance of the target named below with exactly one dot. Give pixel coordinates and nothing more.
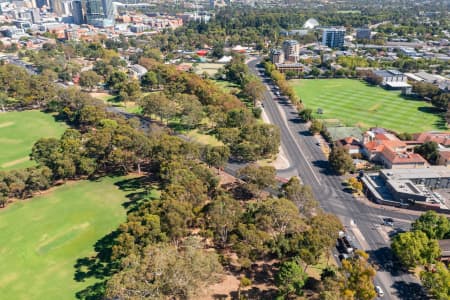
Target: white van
(379, 291)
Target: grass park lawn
(227, 86)
(18, 133)
(113, 100)
(202, 138)
(354, 103)
(209, 68)
(42, 238)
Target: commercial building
(394, 80)
(35, 15)
(408, 51)
(277, 56)
(363, 33)
(405, 187)
(100, 13)
(333, 37)
(41, 3)
(57, 7)
(77, 12)
(291, 50)
(293, 68)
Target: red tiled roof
(374, 146)
(402, 158)
(442, 138)
(381, 137)
(394, 144)
(444, 154)
(348, 140)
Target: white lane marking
(283, 116)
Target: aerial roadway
(362, 221)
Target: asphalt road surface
(361, 221)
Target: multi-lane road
(307, 161)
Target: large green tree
(165, 271)
(290, 279)
(258, 178)
(89, 79)
(437, 281)
(357, 277)
(301, 195)
(340, 161)
(254, 89)
(223, 216)
(415, 248)
(434, 225)
(429, 151)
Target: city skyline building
(100, 13)
(291, 49)
(77, 12)
(333, 37)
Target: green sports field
(18, 133)
(42, 238)
(354, 103)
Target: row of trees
(23, 183)
(22, 90)
(438, 98)
(281, 82)
(419, 247)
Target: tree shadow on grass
(93, 292)
(99, 267)
(441, 123)
(140, 190)
(102, 266)
(429, 110)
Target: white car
(379, 291)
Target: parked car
(388, 222)
(379, 291)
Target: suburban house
(351, 145)
(440, 138)
(393, 79)
(387, 150)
